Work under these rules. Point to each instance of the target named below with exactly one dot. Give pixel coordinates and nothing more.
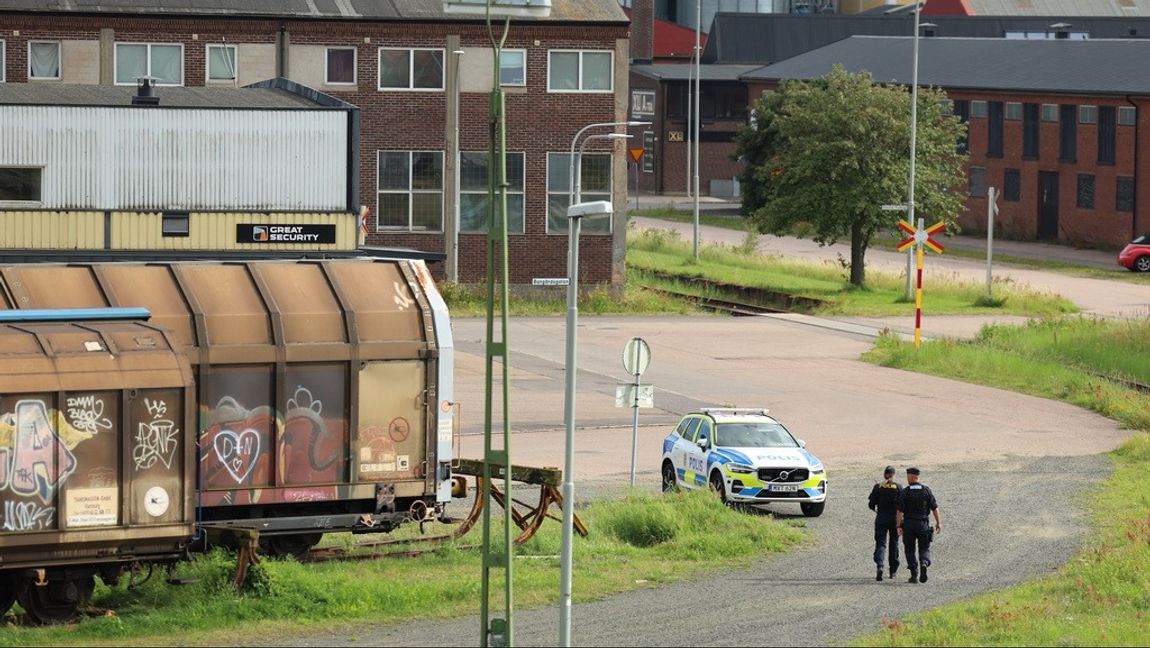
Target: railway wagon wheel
(7, 592)
(296, 545)
(58, 601)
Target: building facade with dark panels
(395, 61)
(1057, 132)
(665, 92)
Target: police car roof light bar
(735, 410)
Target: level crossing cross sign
(920, 235)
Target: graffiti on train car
(309, 456)
(156, 440)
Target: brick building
(402, 63)
(1055, 125)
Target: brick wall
(538, 122)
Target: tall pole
(913, 135)
(698, 93)
(454, 157)
(690, 118)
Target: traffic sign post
(636, 153)
(636, 358)
(920, 237)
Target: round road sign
(636, 356)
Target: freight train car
(318, 398)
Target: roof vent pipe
(144, 96)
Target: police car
(746, 456)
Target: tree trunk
(858, 251)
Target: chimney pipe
(144, 96)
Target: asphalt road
(1010, 471)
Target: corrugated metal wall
(142, 231)
(169, 159)
(39, 230)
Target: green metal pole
(497, 631)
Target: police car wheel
(669, 478)
(812, 509)
(717, 486)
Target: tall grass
(640, 541)
(1101, 597)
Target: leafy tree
(830, 152)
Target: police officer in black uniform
(915, 505)
(883, 501)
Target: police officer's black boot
(893, 569)
(913, 576)
(878, 574)
(922, 578)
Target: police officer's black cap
(912, 471)
(889, 470)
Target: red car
(1136, 255)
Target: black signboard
(252, 233)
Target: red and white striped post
(920, 237)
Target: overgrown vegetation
(1102, 597)
(642, 540)
(884, 295)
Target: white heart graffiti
(238, 451)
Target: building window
(1088, 114)
(1030, 131)
(473, 207)
(1013, 110)
(1124, 196)
(595, 184)
(1049, 112)
(962, 111)
(1107, 134)
(175, 224)
(580, 71)
(716, 101)
(977, 182)
(1067, 133)
(20, 184)
(411, 69)
(43, 60)
(164, 63)
(340, 66)
(513, 68)
(1011, 185)
(994, 130)
(3, 61)
(1127, 115)
(410, 186)
(221, 64)
(648, 151)
(978, 109)
(1085, 191)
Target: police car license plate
(782, 488)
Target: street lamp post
(576, 211)
(453, 273)
(913, 137)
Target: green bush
(643, 526)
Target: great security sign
(250, 233)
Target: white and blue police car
(746, 456)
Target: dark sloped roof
(682, 71)
(67, 94)
(1112, 66)
(561, 10)
(770, 38)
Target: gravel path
(1003, 522)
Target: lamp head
(592, 209)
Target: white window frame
(1087, 114)
(148, 60)
(409, 192)
(589, 228)
(410, 69)
(1048, 110)
(59, 57)
(354, 65)
(581, 90)
(510, 192)
(523, 52)
(979, 109)
(208, 63)
(1013, 111)
(25, 203)
(3, 60)
(1131, 111)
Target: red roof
(948, 8)
(673, 40)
